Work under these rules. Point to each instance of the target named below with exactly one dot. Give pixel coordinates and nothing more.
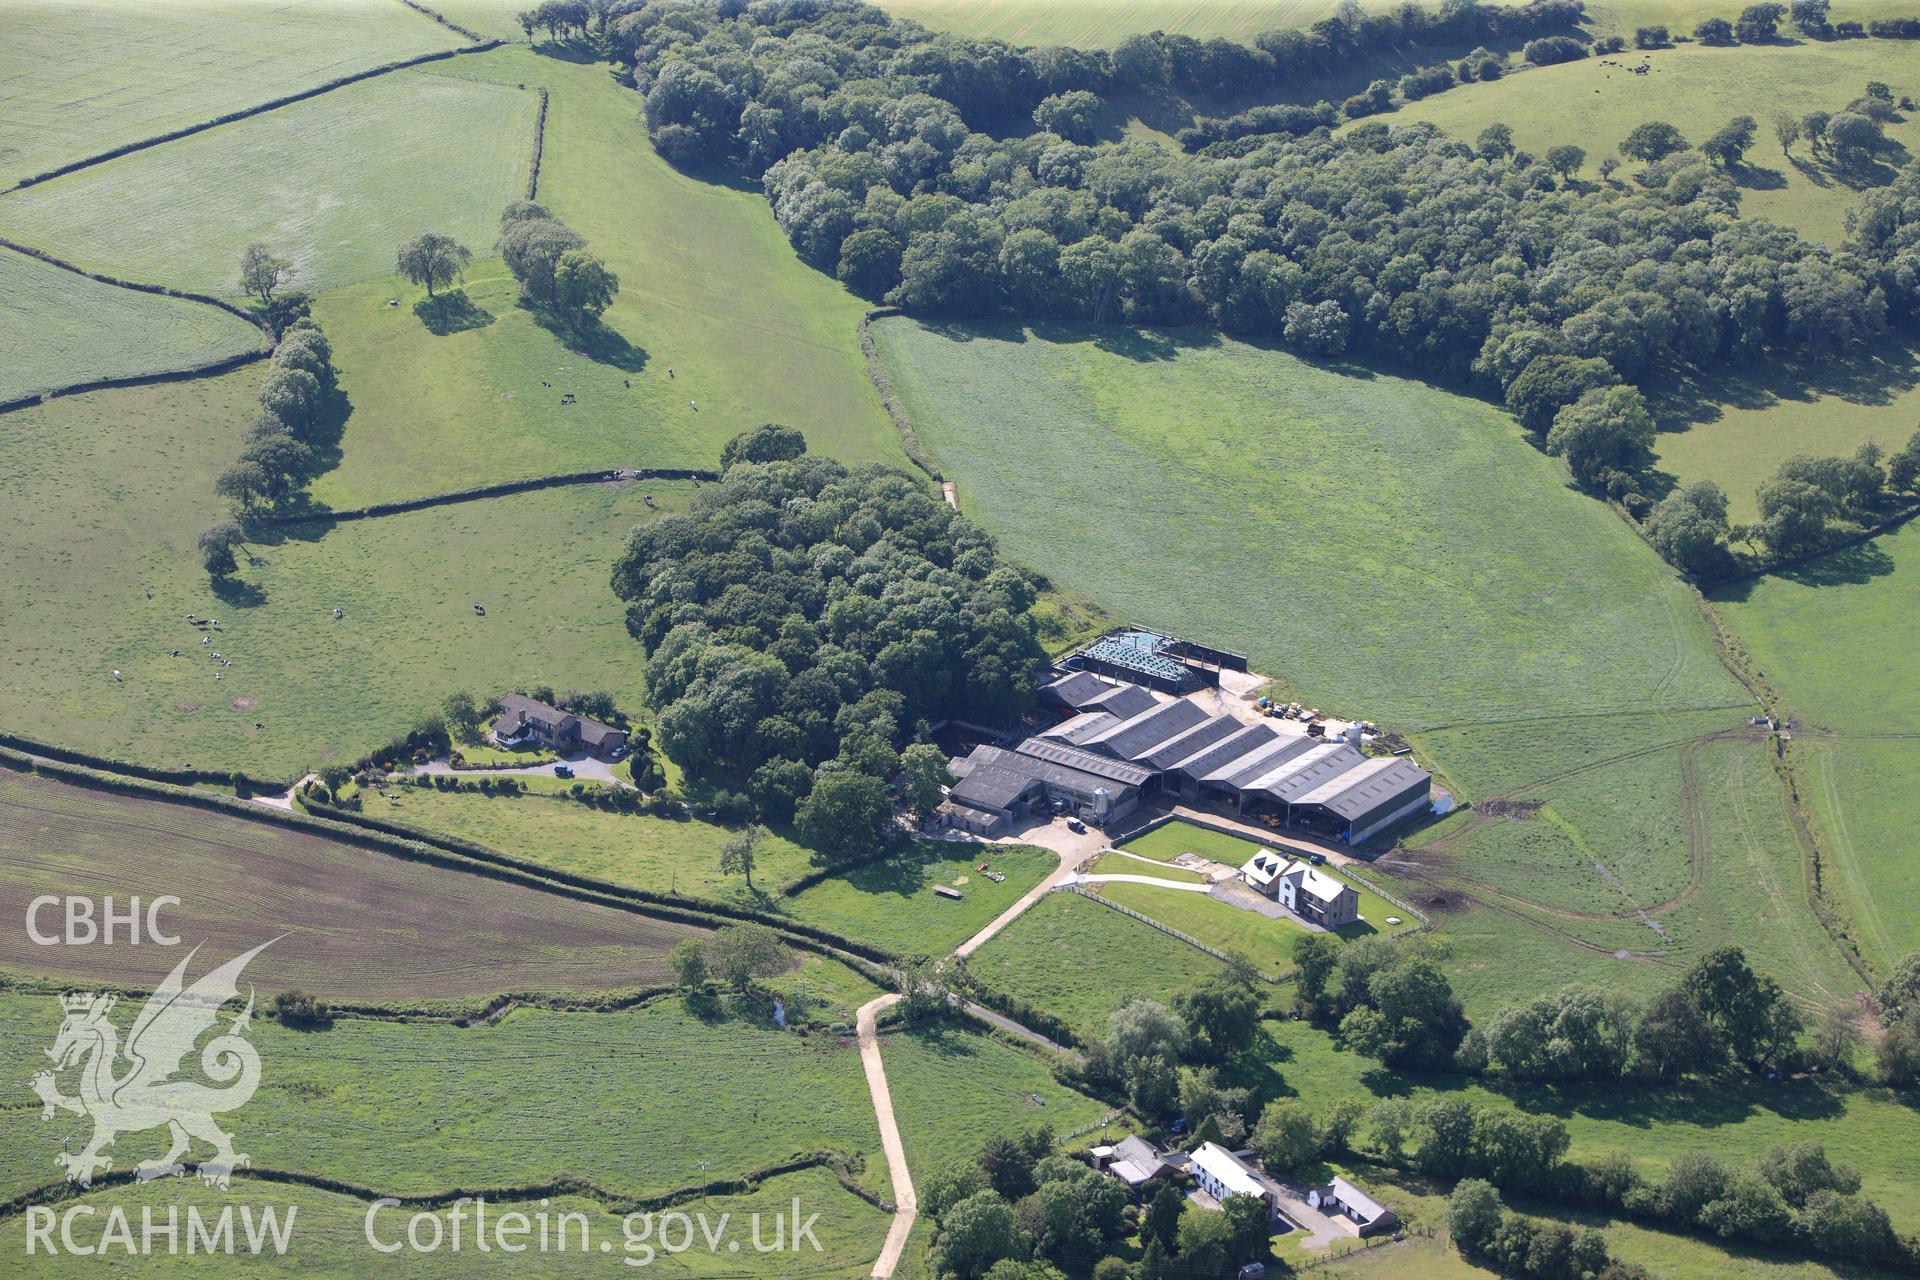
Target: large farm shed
(1119, 745)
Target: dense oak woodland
(802, 613)
(1464, 261)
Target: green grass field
(1736, 430)
(78, 77)
(1533, 920)
(1700, 87)
(1077, 960)
(953, 1090)
(1235, 493)
(709, 290)
(330, 1233)
(638, 1102)
(130, 473)
(892, 902)
(59, 329)
(1110, 864)
(1267, 943)
(648, 853)
(1172, 839)
(1832, 640)
(334, 184)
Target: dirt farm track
(360, 926)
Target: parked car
(1076, 826)
(563, 771)
(1317, 859)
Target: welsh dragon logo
(144, 1093)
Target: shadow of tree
(1874, 377)
(595, 341)
(1850, 567)
(237, 592)
(451, 313)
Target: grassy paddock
(1078, 959)
(130, 473)
(1699, 87)
(657, 854)
(1267, 943)
(334, 184)
(60, 329)
(953, 1090)
(359, 926)
(78, 77)
(418, 1108)
(892, 902)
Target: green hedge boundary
(705, 911)
(355, 829)
(539, 146)
(613, 1201)
(445, 21)
(890, 400)
(481, 492)
(272, 104)
(27, 748)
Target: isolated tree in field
(1813, 127)
(1787, 129)
(739, 953)
(1713, 31)
(216, 545)
(737, 851)
(1565, 160)
(1651, 37)
(432, 259)
(261, 273)
(1608, 167)
(1810, 17)
(1654, 140)
(1853, 137)
(583, 286)
(1729, 146)
(923, 777)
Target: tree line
(803, 622)
(296, 399)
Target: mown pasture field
(59, 329)
(1111, 864)
(953, 1090)
(892, 902)
(1383, 548)
(360, 926)
(1832, 640)
(103, 497)
(637, 1102)
(330, 1232)
(717, 328)
(1698, 88)
(1077, 960)
(1868, 1128)
(334, 184)
(1268, 944)
(657, 854)
(79, 77)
